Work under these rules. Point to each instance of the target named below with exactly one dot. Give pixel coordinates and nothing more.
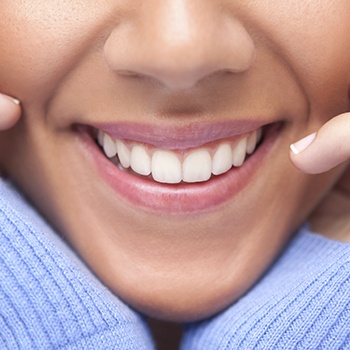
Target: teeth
(251, 142)
(173, 167)
(123, 154)
(239, 153)
(100, 136)
(222, 160)
(140, 161)
(109, 146)
(166, 167)
(259, 135)
(197, 166)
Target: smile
(175, 166)
(178, 171)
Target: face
(155, 134)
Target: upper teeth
(195, 165)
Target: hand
(320, 152)
(10, 111)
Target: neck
(167, 335)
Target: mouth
(175, 166)
(176, 174)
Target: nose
(179, 42)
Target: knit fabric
(48, 299)
(302, 302)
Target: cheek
(313, 38)
(41, 41)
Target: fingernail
(302, 144)
(12, 99)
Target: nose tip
(179, 46)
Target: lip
(180, 137)
(180, 198)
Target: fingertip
(300, 157)
(300, 162)
(10, 111)
(324, 150)
(302, 144)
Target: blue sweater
(302, 302)
(50, 300)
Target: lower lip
(181, 198)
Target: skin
(114, 61)
(329, 148)
(10, 111)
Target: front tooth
(140, 161)
(239, 152)
(251, 142)
(109, 146)
(197, 166)
(222, 160)
(166, 167)
(123, 154)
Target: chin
(183, 304)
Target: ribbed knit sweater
(302, 302)
(50, 300)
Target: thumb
(10, 111)
(322, 151)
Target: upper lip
(189, 135)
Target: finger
(322, 151)
(10, 111)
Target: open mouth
(192, 165)
(176, 172)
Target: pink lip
(180, 137)
(182, 198)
